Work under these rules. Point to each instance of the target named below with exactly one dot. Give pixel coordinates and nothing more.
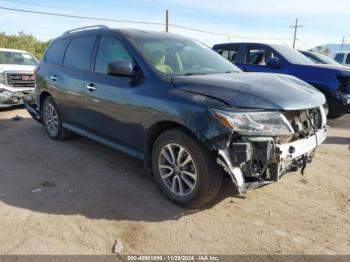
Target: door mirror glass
(273, 62)
(120, 68)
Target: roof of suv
(128, 32)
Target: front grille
(344, 84)
(304, 122)
(21, 80)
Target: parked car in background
(188, 113)
(319, 58)
(332, 81)
(16, 76)
(343, 58)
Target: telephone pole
(167, 21)
(296, 26)
(342, 43)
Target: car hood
(254, 90)
(16, 68)
(339, 67)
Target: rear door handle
(54, 78)
(91, 87)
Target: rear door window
(339, 58)
(55, 51)
(79, 52)
(257, 56)
(110, 49)
(229, 53)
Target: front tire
(53, 121)
(185, 169)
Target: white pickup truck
(16, 76)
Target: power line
(227, 35)
(167, 24)
(80, 17)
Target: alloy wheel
(51, 119)
(177, 170)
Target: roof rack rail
(85, 28)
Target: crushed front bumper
(286, 158)
(12, 97)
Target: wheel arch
(154, 132)
(42, 98)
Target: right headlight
(257, 123)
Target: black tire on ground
(61, 133)
(209, 175)
(331, 110)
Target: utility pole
(296, 26)
(342, 43)
(167, 21)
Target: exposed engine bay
(253, 161)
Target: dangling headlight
(257, 123)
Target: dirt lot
(79, 197)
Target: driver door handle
(91, 87)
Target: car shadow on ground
(5, 109)
(80, 177)
(337, 140)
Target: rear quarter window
(55, 51)
(229, 53)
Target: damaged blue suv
(187, 112)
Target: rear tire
(53, 121)
(331, 110)
(185, 169)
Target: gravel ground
(80, 197)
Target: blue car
(333, 81)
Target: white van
(343, 58)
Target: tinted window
(78, 54)
(347, 59)
(257, 56)
(229, 53)
(339, 58)
(55, 51)
(110, 49)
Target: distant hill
(330, 49)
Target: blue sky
(323, 21)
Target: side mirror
(120, 68)
(273, 62)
